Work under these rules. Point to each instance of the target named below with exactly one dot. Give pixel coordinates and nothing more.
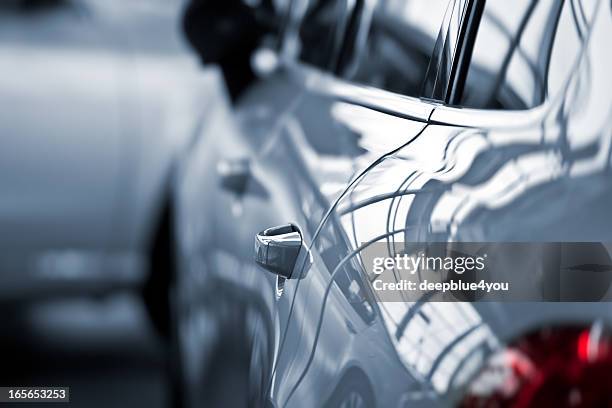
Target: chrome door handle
(281, 250)
(234, 174)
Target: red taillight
(556, 367)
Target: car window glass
(393, 44)
(50, 24)
(29, 6)
(511, 66)
(320, 31)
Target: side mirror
(225, 32)
(281, 250)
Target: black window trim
(463, 54)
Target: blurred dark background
(103, 348)
(91, 331)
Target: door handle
(234, 174)
(281, 250)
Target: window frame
(452, 114)
(435, 108)
(328, 83)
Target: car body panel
(350, 164)
(296, 172)
(505, 182)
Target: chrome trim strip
(384, 101)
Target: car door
(60, 132)
(337, 126)
(267, 169)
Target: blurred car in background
(408, 121)
(99, 99)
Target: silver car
(386, 122)
(98, 101)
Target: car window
(393, 43)
(25, 6)
(320, 29)
(523, 51)
(50, 25)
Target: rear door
(357, 105)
